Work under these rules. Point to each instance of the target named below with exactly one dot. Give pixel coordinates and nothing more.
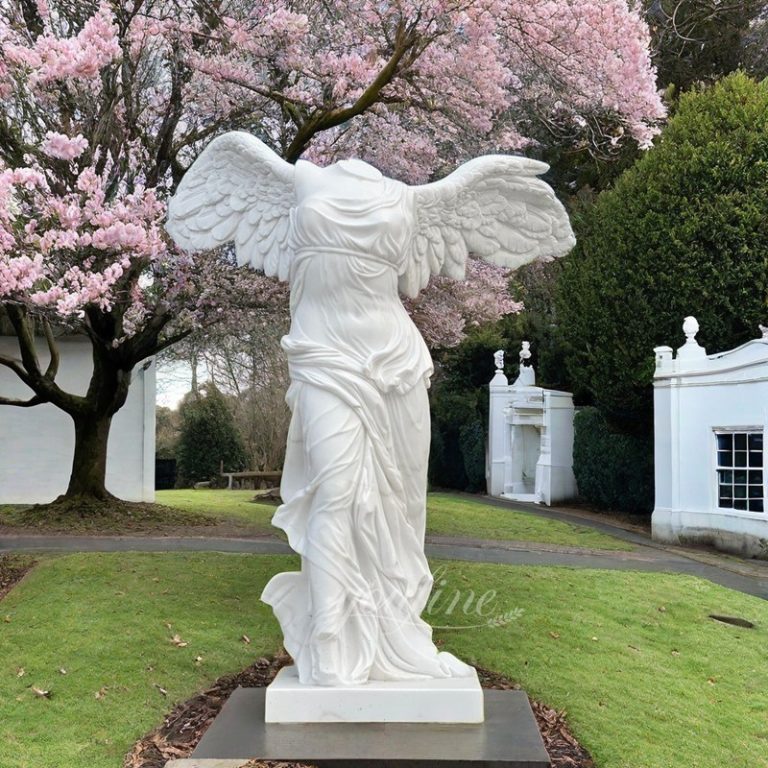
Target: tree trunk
(89, 465)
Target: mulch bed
(183, 728)
(12, 570)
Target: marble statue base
(450, 700)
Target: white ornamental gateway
(348, 240)
(530, 437)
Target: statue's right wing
(238, 190)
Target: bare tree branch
(53, 350)
(36, 400)
(16, 368)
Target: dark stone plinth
(509, 738)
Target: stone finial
(691, 349)
(527, 377)
(764, 331)
(690, 329)
(499, 379)
(525, 353)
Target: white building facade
(530, 438)
(710, 420)
(37, 444)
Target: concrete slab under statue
(508, 738)
(349, 241)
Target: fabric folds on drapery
(354, 478)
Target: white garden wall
(696, 398)
(37, 444)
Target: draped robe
(354, 479)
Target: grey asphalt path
(671, 563)
(65, 543)
(644, 558)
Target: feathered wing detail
(494, 207)
(238, 190)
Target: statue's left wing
(238, 190)
(494, 207)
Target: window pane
(756, 441)
(724, 459)
(755, 458)
(756, 505)
(740, 459)
(755, 477)
(725, 442)
(740, 504)
(740, 441)
(755, 491)
(740, 491)
(740, 477)
(726, 476)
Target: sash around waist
(310, 361)
(307, 251)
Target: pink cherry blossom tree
(105, 104)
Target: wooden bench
(259, 479)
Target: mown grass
(447, 515)
(222, 512)
(222, 504)
(108, 621)
(647, 679)
(451, 515)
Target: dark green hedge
(683, 232)
(613, 471)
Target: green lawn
(447, 515)
(222, 504)
(647, 679)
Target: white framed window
(740, 464)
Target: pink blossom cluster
(490, 75)
(445, 309)
(66, 250)
(51, 57)
(19, 274)
(582, 58)
(111, 101)
(63, 147)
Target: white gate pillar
(497, 428)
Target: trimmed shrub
(613, 471)
(683, 232)
(459, 407)
(451, 410)
(208, 436)
(472, 445)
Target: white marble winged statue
(347, 239)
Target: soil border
(13, 568)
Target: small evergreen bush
(208, 436)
